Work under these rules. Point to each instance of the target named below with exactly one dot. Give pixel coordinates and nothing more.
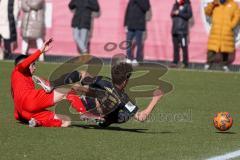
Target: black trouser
(180, 41)
(221, 58)
(138, 34)
(7, 46)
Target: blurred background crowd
(23, 26)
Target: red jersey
(32, 103)
(22, 83)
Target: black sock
(88, 80)
(68, 78)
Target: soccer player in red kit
(31, 103)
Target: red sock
(51, 123)
(76, 102)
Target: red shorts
(34, 106)
(47, 118)
(36, 102)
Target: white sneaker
(32, 123)
(43, 83)
(206, 67)
(225, 68)
(1, 54)
(41, 58)
(134, 62)
(128, 61)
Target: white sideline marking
(227, 156)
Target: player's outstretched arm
(143, 115)
(46, 46)
(24, 65)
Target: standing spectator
(33, 24)
(181, 14)
(8, 17)
(135, 21)
(224, 15)
(81, 22)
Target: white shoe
(1, 54)
(128, 61)
(41, 58)
(225, 68)
(32, 123)
(206, 67)
(43, 83)
(134, 62)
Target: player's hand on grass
(46, 46)
(141, 116)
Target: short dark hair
(121, 72)
(19, 58)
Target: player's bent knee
(66, 121)
(60, 94)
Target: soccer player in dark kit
(104, 96)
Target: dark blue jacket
(83, 12)
(180, 22)
(136, 13)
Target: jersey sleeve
(24, 65)
(128, 105)
(102, 82)
(126, 110)
(114, 100)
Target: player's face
(32, 68)
(125, 83)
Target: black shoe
(104, 124)
(88, 80)
(185, 66)
(7, 55)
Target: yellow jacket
(224, 19)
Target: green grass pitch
(180, 127)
